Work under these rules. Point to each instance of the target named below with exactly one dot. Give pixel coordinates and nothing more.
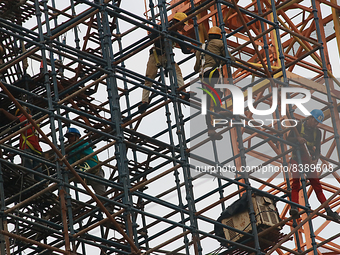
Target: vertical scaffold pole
(112, 90)
(326, 76)
(2, 209)
(303, 179)
(52, 120)
(61, 188)
(180, 130)
(171, 140)
(239, 134)
(277, 114)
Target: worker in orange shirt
(29, 141)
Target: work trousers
(151, 72)
(32, 164)
(312, 176)
(210, 103)
(99, 188)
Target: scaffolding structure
(81, 63)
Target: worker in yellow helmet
(179, 16)
(29, 141)
(208, 67)
(157, 58)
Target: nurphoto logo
(238, 98)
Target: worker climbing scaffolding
(308, 134)
(157, 59)
(210, 70)
(79, 150)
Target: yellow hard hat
(215, 30)
(26, 109)
(181, 16)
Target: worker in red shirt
(29, 141)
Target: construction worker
(79, 150)
(310, 136)
(157, 58)
(208, 67)
(29, 141)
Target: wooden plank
(311, 84)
